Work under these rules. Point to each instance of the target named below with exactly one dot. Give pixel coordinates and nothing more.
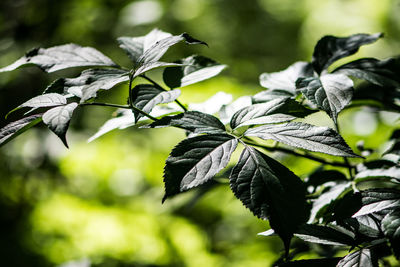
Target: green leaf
(58, 118)
(360, 258)
(136, 46)
(270, 191)
(13, 129)
(62, 57)
(45, 100)
(158, 49)
(195, 161)
(147, 96)
(378, 200)
(379, 72)
(275, 111)
(321, 176)
(151, 66)
(286, 80)
(391, 173)
(194, 69)
(88, 83)
(194, 121)
(327, 197)
(391, 229)
(326, 235)
(305, 136)
(330, 92)
(330, 48)
(91, 81)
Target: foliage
(354, 207)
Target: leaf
(194, 121)
(151, 66)
(13, 129)
(62, 57)
(286, 80)
(360, 258)
(226, 111)
(330, 48)
(321, 176)
(268, 95)
(45, 100)
(58, 118)
(305, 136)
(270, 191)
(213, 104)
(91, 81)
(195, 69)
(136, 46)
(378, 200)
(326, 198)
(147, 96)
(195, 161)
(275, 111)
(326, 235)
(379, 72)
(392, 172)
(391, 229)
(330, 92)
(158, 49)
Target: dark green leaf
(379, 72)
(62, 57)
(377, 200)
(327, 197)
(286, 80)
(58, 118)
(45, 100)
(12, 130)
(195, 161)
(274, 111)
(136, 46)
(326, 235)
(330, 92)
(386, 98)
(147, 96)
(305, 136)
(391, 229)
(365, 225)
(331, 48)
(270, 191)
(391, 225)
(194, 121)
(194, 69)
(360, 258)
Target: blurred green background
(99, 203)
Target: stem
(121, 106)
(162, 88)
(346, 161)
(292, 152)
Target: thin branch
(294, 153)
(162, 88)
